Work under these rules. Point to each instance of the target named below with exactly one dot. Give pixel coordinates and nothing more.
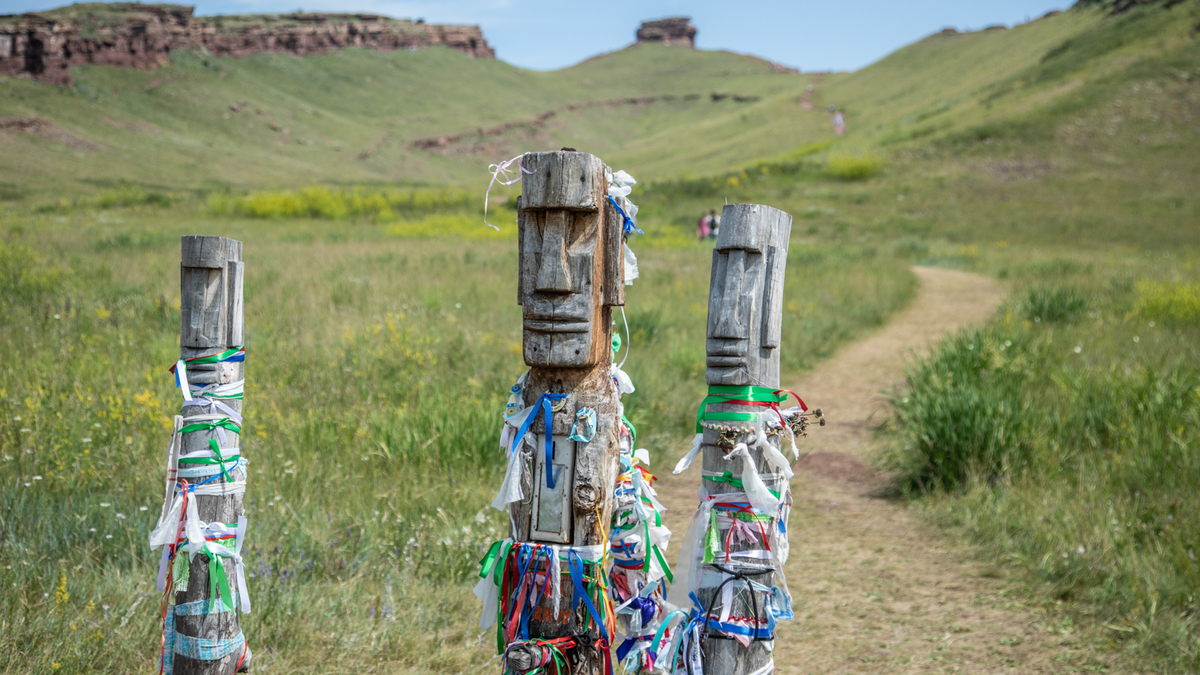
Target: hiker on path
(702, 227)
(714, 223)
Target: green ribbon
(726, 393)
(728, 477)
(712, 538)
(214, 358)
(493, 563)
(632, 431)
(217, 579)
(212, 444)
(224, 423)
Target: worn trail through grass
(876, 589)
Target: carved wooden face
(745, 299)
(564, 256)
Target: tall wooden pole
(571, 275)
(211, 323)
(740, 588)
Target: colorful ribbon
(630, 228)
(741, 395)
(545, 402)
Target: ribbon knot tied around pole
(546, 402)
(763, 397)
(630, 227)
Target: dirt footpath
(875, 589)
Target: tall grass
(1070, 450)
(377, 370)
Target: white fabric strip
(690, 457)
(756, 491)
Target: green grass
(1068, 449)
(1059, 156)
(378, 365)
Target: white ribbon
(556, 581)
(690, 457)
(691, 554)
(772, 454)
(173, 448)
(510, 489)
(181, 379)
(631, 266)
(622, 380)
(496, 170)
(214, 405)
(756, 491)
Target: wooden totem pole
(735, 550)
(571, 275)
(202, 526)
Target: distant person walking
(714, 224)
(839, 124)
(703, 228)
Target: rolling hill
(436, 116)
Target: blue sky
(549, 34)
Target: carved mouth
(554, 326)
(725, 347)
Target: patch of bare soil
(875, 589)
(44, 128)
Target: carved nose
(554, 274)
(729, 323)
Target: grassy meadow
(379, 363)
(1059, 156)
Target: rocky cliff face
(45, 45)
(673, 31)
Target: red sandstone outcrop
(673, 31)
(45, 45)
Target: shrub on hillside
(965, 411)
(128, 195)
(1176, 303)
(1053, 304)
(330, 204)
(853, 168)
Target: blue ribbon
(525, 556)
(544, 402)
(630, 228)
(576, 565)
(628, 644)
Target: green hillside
(1059, 157)
(349, 116)
(352, 116)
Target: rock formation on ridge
(673, 31)
(45, 45)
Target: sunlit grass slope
(346, 117)
(206, 123)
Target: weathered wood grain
(746, 295)
(563, 180)
(613, 288)
(566, 275)
(212, 320)
(744, 317)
